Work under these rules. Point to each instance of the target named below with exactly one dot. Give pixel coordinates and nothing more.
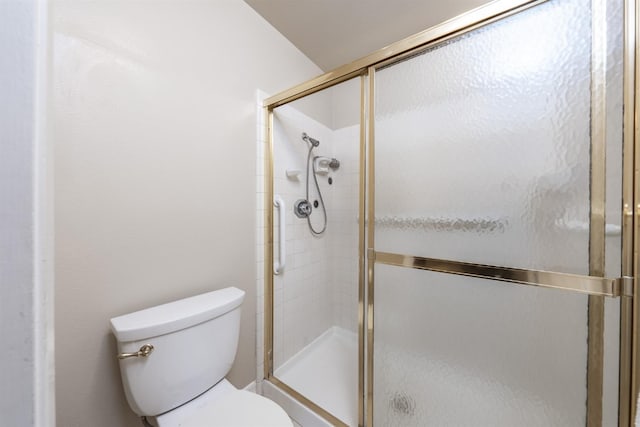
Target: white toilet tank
(194, 344)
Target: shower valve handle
(302, 208)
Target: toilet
(173, 362)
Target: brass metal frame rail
(591, 285)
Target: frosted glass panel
(457, 351)
(482, 144)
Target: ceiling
(335, 32)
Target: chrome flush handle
(144, 351)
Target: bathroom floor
(326, 372)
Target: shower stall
(450, 232)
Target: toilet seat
(225, 406)
(239, 409)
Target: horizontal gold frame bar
(547, 279)
(481, 15)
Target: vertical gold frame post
(268, 238)
(370, 241)
(634, 222)
(595, 358)
(628, 386)
(362, 206)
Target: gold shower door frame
(594, 284)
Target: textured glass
(482, 144)
(458, 351)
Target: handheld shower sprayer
(314, 142)
(315, 165)
(304, 205)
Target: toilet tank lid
(176, 315)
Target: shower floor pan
(326, 372)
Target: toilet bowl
(174, 359)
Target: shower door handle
(278, 266)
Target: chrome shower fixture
(302, 208)
(310, 140)
(321, 164)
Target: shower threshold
(326, 372)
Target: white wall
(155, 173)
(26, 371)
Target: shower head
(310, 140)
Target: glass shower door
(316, 292)
(489, 152)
